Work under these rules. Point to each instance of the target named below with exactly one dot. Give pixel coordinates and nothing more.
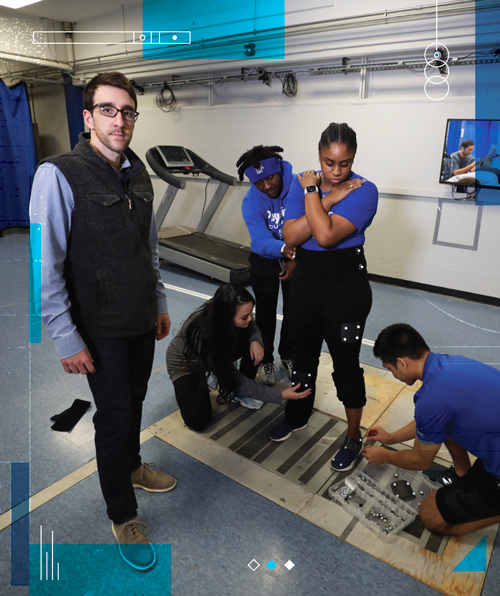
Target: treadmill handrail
(209, 170)
(156, 162)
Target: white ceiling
(75, 11)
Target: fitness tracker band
(309, 189)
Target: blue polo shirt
(359, 207)
(460, 398)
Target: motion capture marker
(421, 492)
(395, 476)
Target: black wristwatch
(309, 189)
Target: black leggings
(192, 392)
(330, 300)
(265, 281)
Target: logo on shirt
(260, 170)
(275, 221)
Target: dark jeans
(192, 392)
(330, 292)
(266, 288)
(119, 386)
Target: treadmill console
(176, 158)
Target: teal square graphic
(271, 565)
(95, 569)
(219, 29)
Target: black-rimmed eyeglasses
(111, 111)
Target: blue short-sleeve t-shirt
(460, 399)
(359, 207)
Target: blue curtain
(453, 139)
(17, 156)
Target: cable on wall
(290, 85)
(165, 98)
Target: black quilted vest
(108, 270)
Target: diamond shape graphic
(271, 565)
(253, 565)
(289, 565)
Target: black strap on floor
(66, 421)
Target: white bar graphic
(117, 37)
(46, 566)
(41, 559)
(52, 555)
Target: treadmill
(192, 248)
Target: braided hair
(253, 157)
(338, 134)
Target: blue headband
(268, 167)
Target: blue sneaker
(442, 477)
(283, 432)
(346, 456)
(135, 548)
(248, 402)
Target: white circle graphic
(436, 69)
(437, 98)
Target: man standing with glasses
(103, 301)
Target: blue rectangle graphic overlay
(218, 29)
(94, 570)
(35, 284)
(20, 528)
(487, 77)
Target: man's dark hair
(338, 134)
(113, 79)
(466, 144)
(254, 156)
(399, 341)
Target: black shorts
(474, 497)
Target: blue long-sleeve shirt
(264, 217)
(52, 206)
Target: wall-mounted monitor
(471, 154)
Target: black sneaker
(442, 477)
(283, 432)
(346, 456)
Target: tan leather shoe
(135, 548)
(154, 482)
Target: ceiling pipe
(36, 61)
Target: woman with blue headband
(327, 214)
(272, 260)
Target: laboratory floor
(227, 509)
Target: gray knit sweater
(176, 364)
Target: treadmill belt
(209, 250)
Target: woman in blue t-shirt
(327, 214)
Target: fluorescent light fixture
(17, 3)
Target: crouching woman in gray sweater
(207, 346)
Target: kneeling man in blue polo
(458, 405)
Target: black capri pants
(330, 300)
